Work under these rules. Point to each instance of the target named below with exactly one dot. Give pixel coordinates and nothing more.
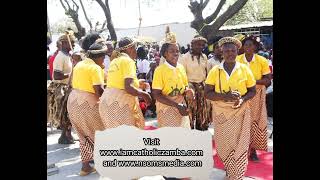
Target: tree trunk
(202, 25)
(196, 10)
(85, 15)
(81, 30)
(107, 13)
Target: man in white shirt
(216, 57)
(62, 64)
(107, 58)
(143, 64)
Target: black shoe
(170, 178)
(65, 140)
(253, 156)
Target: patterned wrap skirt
(258, 132)
(117, 107)
(169, 116)
(232, 136)
(83, 109)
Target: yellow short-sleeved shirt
(258, 65)
(121, 68)
(171, 80)
(240, 79)
(86, 74)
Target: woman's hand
(232, 96)
(143, 84)
(189, 94)
(238, 103)
(183, 110)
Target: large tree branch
(73, 13)
(210, 18)
(67, 4)
(196, 10)
(104, 24)
(101, 30)
(103, 6)
(75, 4)
(109, 12)
(210, 30)
(64, 7)
(106, 10)
(95, 27)
(195, 7)
(232, 10)
(85, 15)
(203, 5)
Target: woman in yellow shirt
(169, 86)
(119, 103)
(262, 74)
(87, 83)
(229, 86)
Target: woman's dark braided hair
(122, 43)
(96, 46)
(88, 40)
(165, 47)
(253, 39)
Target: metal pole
(140, 19)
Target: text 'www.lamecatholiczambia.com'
(151, 152)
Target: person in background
(153, 66)
(142, 62)
(262, 74)
(216, 58)
(108, 55)
(183, 50)
(196, 66)
(62, 67)
(76, 57)
(188, 48)
(51, 59)
(240, 37)
(107, 60)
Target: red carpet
(263, 170)
(149, 128)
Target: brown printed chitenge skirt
(258, 132)
(57, 97)
(169, 116)
(117, 107)
(83, 109)
(201, 110)
(232, 136)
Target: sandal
(85, 173)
